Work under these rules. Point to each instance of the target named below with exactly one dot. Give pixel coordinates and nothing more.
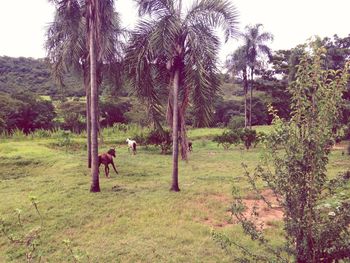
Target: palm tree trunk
(88, 114)
(251, 96)
(245, 83)
(95, 184)
(175, 181)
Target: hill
(29, 74)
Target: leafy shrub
(248, 137)
(227, 139)
(161, 138)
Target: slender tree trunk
(251, 96)
(182, 118)
(95, 184)
(88, 114)
(175, 181)
(245, 83)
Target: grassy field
(135, 218)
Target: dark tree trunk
(182, 118)
(95, 184)
(88, 113)
(175, 182)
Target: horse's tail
(134, 146)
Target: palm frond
(215, 13)
(201, 73)
(157, 8)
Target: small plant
(65, 139)
(76, 256)
(27, 240)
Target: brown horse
(106, 159)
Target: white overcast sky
(23, 22)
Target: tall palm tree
(255, 46)
(69, 40)
(237, 63)
(176, 49)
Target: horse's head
(111, 152)
(127, 140)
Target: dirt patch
(266, 213)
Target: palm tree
(254, 44)
(66, 49)
(69, 40)
(179, 50)
(237, 63)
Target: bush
(248, 137)
(161, 138)
(227, 139)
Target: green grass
(135, 218)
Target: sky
(23, 23)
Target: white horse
(131, 145)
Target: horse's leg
(114, 167)
(106, 170)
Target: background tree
(254, 44)
(167, 50)
(238, 63)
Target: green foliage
(161, 138)
(246, 136)
(113, 112)
(224, 110)
(298, 150)
(227, 138)
(25, 112)
(236, 122)
(73, 115)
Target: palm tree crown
(179, 49)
